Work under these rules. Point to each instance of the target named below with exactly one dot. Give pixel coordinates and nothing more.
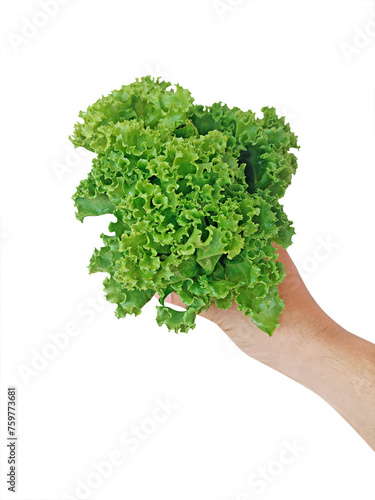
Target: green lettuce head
(195, 193)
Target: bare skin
(310, 348)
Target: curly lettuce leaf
(195, 192)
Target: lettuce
(195, 192)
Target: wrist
(298, 342)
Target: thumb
(213, 313)
(174, 299)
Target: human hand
(300, 309)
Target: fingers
(213, 314)
(174, 299)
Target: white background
(234, 415)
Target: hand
(300, 309)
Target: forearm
(333, 363)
